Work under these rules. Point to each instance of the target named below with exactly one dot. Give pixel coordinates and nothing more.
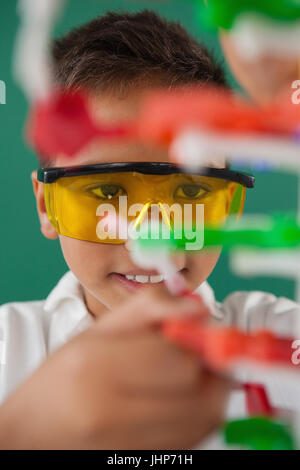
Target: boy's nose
(151, 212)
(155, 211)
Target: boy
(111, 381)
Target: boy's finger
(147, 312)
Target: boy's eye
(107, 191)
(190, 191)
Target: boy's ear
(47, 228)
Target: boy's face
(101, 267)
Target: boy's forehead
(114, 109)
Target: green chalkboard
(30, 264)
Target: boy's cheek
(93, 262)
(200, 266)
(86, 257)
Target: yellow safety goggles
(79, 198)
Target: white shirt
(30, 331)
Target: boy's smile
(138, 278)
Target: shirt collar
(67, 288)
(68, 314)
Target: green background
(32, 265)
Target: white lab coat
(30, 331)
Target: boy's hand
(265, 78)
(118, 385)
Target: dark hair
(119, 50)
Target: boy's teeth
(155, 279)
(145, 279)
(142, 279)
